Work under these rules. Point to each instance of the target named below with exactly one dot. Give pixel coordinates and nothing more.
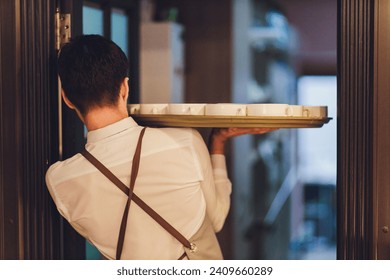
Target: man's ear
(71, 106)
(67, 101)
(124, 90)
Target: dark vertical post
(10, 140)
(382, 130)
(107, 7)
(38, 127)
(355, 129)
(134, 51)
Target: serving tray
(228, 121)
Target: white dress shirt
(177, 178)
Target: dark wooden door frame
(363, 129)
(29, 221)
(355, 127)
(381, 117)
(10, 171)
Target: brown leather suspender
(134, 197)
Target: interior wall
(315, 22)
(207, 39)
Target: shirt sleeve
(62, 209)
(216, 186)
(51, 186)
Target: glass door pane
(92, 20)
(120, 29)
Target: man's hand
(219, 136)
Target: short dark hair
(91, 69)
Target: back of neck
(101, 117)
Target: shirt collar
(109, 130)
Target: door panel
(381, 117)
(30, 224)
(363, 129)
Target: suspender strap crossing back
(133, 197)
